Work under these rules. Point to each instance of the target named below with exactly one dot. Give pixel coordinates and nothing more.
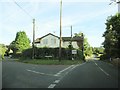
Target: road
(92, 74)
(21, 75)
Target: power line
(22, 9)
(33, 44)
(32, 17)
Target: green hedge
(40, 53)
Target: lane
(91, 74)
(15, 75)
(112, 70)
(88, 75)
(59, 79)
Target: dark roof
(63, 38)
(66, 38)
(73, 39)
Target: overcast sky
(87, 16)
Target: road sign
(74, 51)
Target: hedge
(40, 53)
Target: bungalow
(52, 41)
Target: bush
(27, 53)
(16, 55)
(104, 57)
(40, 53)
(116, 62)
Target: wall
(74, 43)
(48, 41)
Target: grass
(51, 62)
(116, 62)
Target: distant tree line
(98, 50)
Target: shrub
(40, 53)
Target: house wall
(66, 44)
(74, 43)
(49, 41)
(52, 41)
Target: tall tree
(87, 47)
(2, 50)
(112, 36)
(98, 50)
(20, 43)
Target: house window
(54, 41)
(45, 41)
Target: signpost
(74, 51)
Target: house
(52, 41)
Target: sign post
(74, 52)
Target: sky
(87, 16)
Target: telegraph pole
(60, 30)
(117, 2)
(83, 46)
(71, 35)
(33, 44)
(118, 6)
(71, 42)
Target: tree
(112, 36)
(98, 50)
(2, 50)
(87, 47)
(20, 43)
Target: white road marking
(104, 71)
(66, 69)
(81, 64)
(72, 67)
(34, 71)
(101, 69)
(57, 74)
(52, 85)
(96, 64)
(56, 81)
(39, 72)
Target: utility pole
(60, 30)
(71, 35)
(33, 44)
(117, 2)
(83, 46)
(71, 42)
(118, 6)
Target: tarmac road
(92, 74)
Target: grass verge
(51, 62)
(116, 62)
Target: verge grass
(51, 62)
